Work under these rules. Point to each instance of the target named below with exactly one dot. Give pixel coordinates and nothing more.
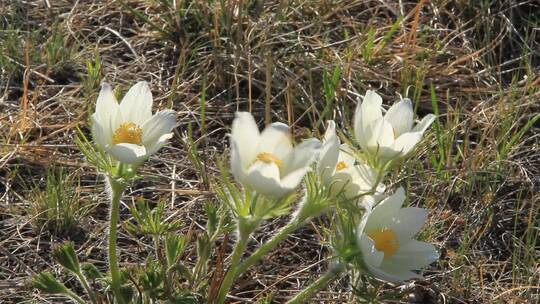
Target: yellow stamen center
(128, 132)
(341, 166)
(269, 158)
(385, 241)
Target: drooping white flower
(267, 162)
(385, 237)
(128, 131)
(391, 135)
(338, 169)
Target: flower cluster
(343, 180)
(267, 163)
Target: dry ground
(475, 63)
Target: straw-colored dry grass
(475, 63)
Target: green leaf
(514, 140)
(174, 248)
(91, 271)
(126, 292)
(330, 86)
(184, 271)
(46, 282)
(66, 256)
(150, 221)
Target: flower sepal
(247, 203)
(269, 207)
(104, 162)
(66, 256)
(246, 225)
(343, 241)
(317, 199)
(46, 282)
(94, 154)
(125, 173)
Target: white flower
(392, 135)
(385, 237)
(266, 162)
(128, 131)
(338, 170)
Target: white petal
(363, 140)
(369, 201)
(106, 109)
(330, 134)
(400, 116)
(136, 106)
(237, 167)
(354, 181)
(407, 222)
(371, 255)
(394, 273)
(381, 135)
(381, 140)
(264, 179)
(346, 155)
(100, 136)
(424, 123)
(275, 139)
(388, 153)
(158, 125)
(382, 214)
(342, 182)
(128, 153)
(364, 176)
(293, 179)
(328, 157)
(415, 254)
(302, 155)
(363, 221)
(246, 134)
(367, 112)
(106, 102)
(407, 141)
(371, 108)
(115, 121)
(162, 141)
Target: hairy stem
(266, 247)
(246, 226)
(116, 193)
(320, 283)
(86, 286)
(231, 273)
(75, 297)
(298, 221)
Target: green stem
(320, 283)
(266, 247)
(246, 226)
(231, 273)
(116, 188)
(298, 221)
(86, 286)
(75, 297)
